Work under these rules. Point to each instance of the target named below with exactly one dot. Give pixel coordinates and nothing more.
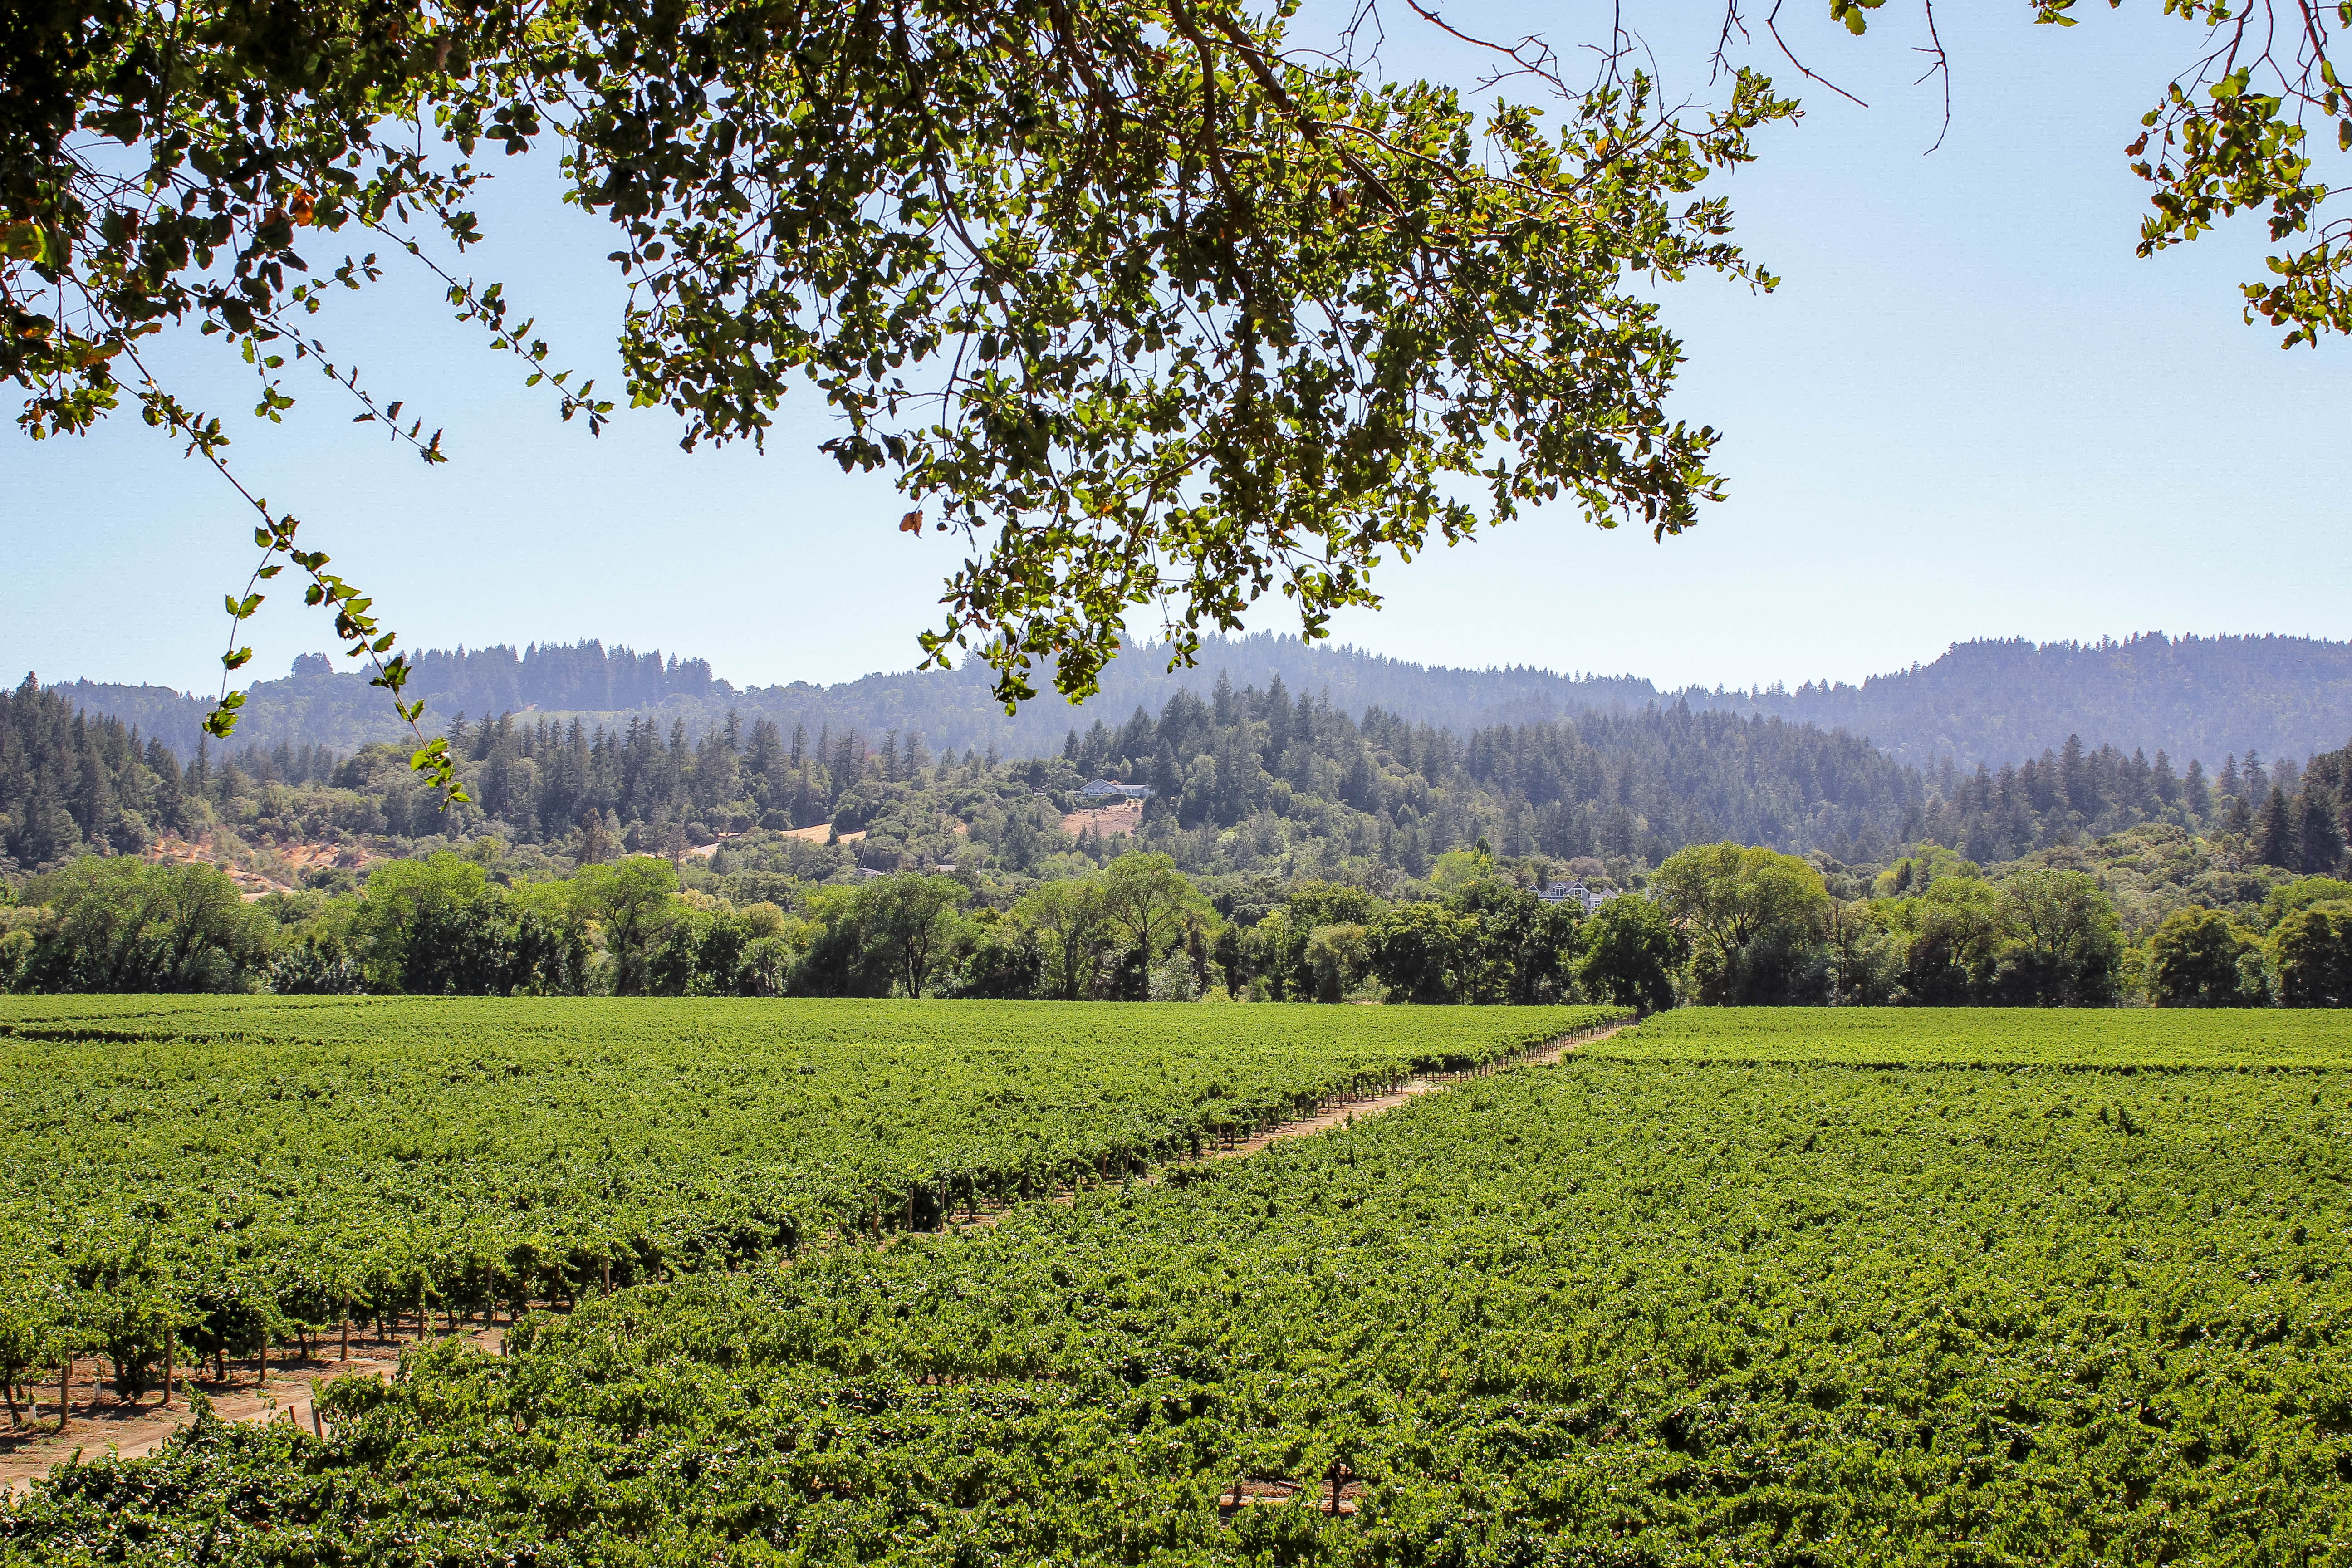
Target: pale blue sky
(1968, 412)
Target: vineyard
(2079, 1037)
(1720, 1308)
(239, 1173)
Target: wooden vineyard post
(170, 1344)
(64, 1392)
(261, 1374)
(347, 1325)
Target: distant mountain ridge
(1994, 702)
(947, 708)
(2003, 701)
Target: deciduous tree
(1419, 950)
(1631, 952)
(2313, 952)
(2199, 958)
(1144, 899)
(1755, 917)
(912, 917)
(630, 901)
(1068, 915)
(120, 924)
(2068, 946)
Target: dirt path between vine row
(103, 1425)
(1342, 1115)
(1344, 1112)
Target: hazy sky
(1969, 411)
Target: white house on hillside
(1573, 890)
(1102, 792)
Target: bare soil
(271, 869)
(1105, 820)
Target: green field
(1610, 1311)
(253, 1162)
(2105, 1039)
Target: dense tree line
(1255, 794)
(2290, 818)
(122, 925)
(1762, 928)
(1137, 929)
(1719, 924)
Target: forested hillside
(2004, 701)
(315, 706)
(1246, 777)
(1995, 702)
(952, 707)
(1390, 850)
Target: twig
(1772, 24)
(1942, 67)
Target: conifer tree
(2278, 839)
(2319, 843)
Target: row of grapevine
(208, 1177)
(2131, 1038)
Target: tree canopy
(1752, 915)
(1151, 306)
(1153, 302)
